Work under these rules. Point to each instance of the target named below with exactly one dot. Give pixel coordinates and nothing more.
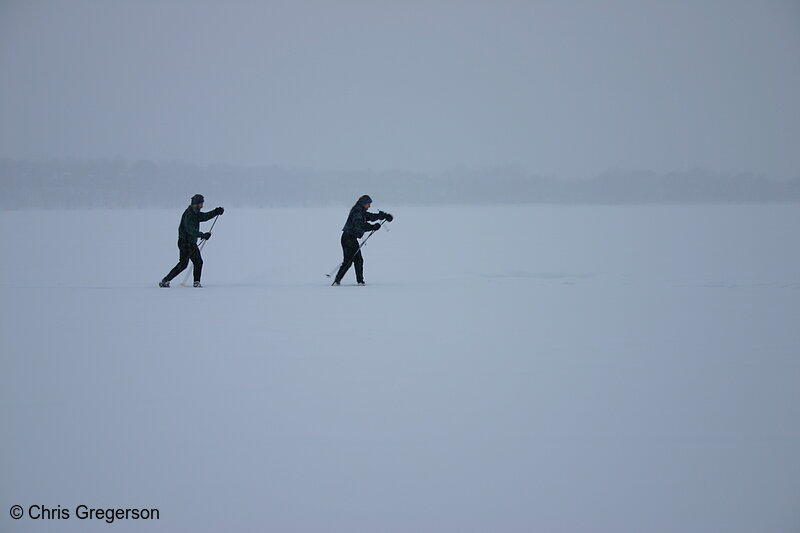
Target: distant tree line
(119, 183)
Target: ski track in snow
(514, 369)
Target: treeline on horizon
(118, 183)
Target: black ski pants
(352, 256)
(188, 250)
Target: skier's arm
(367, 216)
(202, 217)
(371, 217)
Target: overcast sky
(561, 88)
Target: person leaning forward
(188, 233)
(358, 222)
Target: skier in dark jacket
(188, 233)
(358, 222)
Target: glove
(388, 217)
(205, 236)
(219, 210)
(375, 227)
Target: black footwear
(335, 284)
(361, 283)
(164, 283)
(197, 285)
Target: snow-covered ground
(509, 369)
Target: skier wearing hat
(358, 222)
(188, 233)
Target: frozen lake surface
(509, 369)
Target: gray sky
(562, 88)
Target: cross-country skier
(188, 233)
(358, 221)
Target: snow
(514, 369)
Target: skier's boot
(336, 283)
(361, 283)
(164, 283)
(197, 285)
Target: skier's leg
(183, 262)
(358, 261)
(347, 253)
(197, 261)
(342, 271)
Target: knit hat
(198, 199)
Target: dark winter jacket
(359, 221)
(189, 228)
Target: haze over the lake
(566, 89)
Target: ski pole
(200, 248)
(357, 250)
(335, 269)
